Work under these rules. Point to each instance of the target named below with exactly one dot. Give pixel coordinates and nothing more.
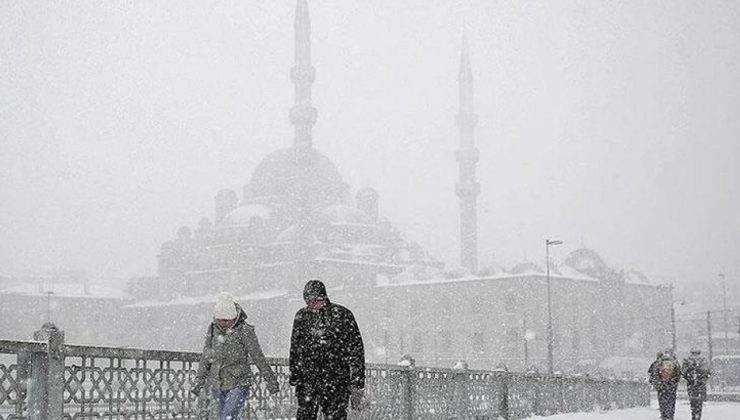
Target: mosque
(296, 219)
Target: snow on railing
(48, 379)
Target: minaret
(303, 74)
(303, 117)
(467, 158)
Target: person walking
(327, 357)
(224, 367)
(696, 372)
(665, 373)
(652, 374)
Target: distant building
(296, 219)
(89, 312)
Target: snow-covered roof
(733, 357)
(570, 272)
(504, 276)
(68, 290)
(635, 277)
(197, 300)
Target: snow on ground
(712, 411)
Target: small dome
(588, 262)
(342, 214)
(243, 215)
(492, 269)
(527, 267)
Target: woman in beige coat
(224, 366)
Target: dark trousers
(331, 399)
(696, 406)
(667, 401)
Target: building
(89, 312)
(296, 219)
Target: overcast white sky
(610, 124)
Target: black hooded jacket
(326, 348)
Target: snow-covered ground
(712, 411)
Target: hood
(242, 317)
(314, 288)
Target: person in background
(665, 373)
(696, 372)
(652, 376)
(224, 366)
(327, 357)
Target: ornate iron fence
(47, 379)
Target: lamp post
(724, 308)
(549, 242)
(48, 305)
(673, 319)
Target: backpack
(666, 371)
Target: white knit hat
(225, 306)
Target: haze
(606, 124)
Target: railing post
(560, 383)
(24, 377)
(461, 386)
(410, 393)
(46, 396)
(537, 405)
(503, 403)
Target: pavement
(712, 411)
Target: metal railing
(51, 380)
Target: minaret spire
(303, 74)
(467, 157)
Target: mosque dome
(527, 267)
(279, 174)
(588, 262)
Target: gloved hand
(357, 398)
(195, 390)
(273, 386)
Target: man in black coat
(696, 372)
(327, 357)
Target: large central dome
(281, 175)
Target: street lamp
(548, 243)
(724, 308)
